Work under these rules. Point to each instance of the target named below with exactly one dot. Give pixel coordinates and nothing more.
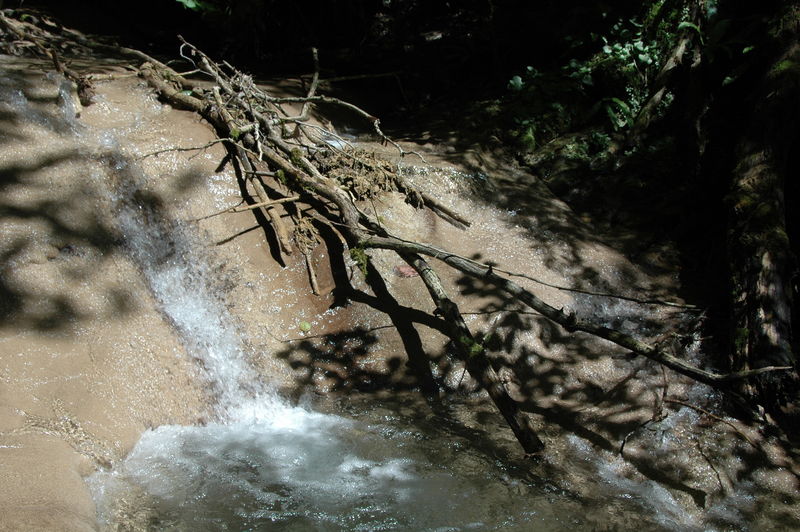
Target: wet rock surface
(96, 237)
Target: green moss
(744, 202)
(296, 156)
(361, 258)
(475, 347)
(740, 338)
(527, 139)
(787, 66)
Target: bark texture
(759, 247)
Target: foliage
(544, 106)
(201, 6)
(477, 346)
(605, 84)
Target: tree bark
(759, 249)
(474, 356)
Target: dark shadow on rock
(341, 361)
(55, 230)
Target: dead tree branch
(280, 167)
(301, 168)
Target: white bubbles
(273, 465)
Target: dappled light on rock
(222, 309)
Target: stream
(257, 460)
(261, 463)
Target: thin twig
(312, 276)
(178, 149)
(713, 416)
(598, 294)
(236, 208)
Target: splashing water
(264, 464)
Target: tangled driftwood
(285, 160)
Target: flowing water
(257, 461)
(262, 463)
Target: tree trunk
(758, 244)
(761, 269)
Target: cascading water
(258, 462)
(261, 462)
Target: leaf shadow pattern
(343, 361)
(548, 379)
(56, 235)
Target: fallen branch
(474, 357)
(336, 181)
(568, 320)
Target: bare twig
(598, 294)
(715, 417)
(312, 276)
(231, 210)
(180, 149)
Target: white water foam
(260, 462)
(270, 463)
(263, 464)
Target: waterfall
(260, 462)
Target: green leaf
(516, 83)
(619, 113)
(689, 25)
(189, 4)
(686, 24)
(622, 105)
(202, 6)
(304, 326)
